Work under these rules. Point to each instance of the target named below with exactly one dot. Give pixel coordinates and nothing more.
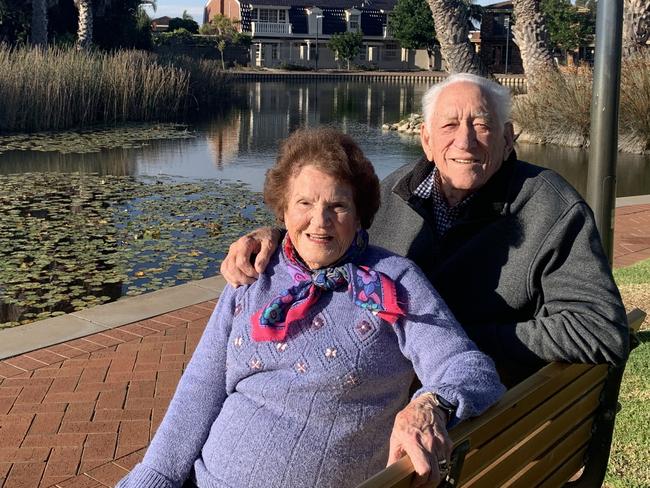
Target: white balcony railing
(270, 28)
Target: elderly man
(511, 247)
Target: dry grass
(61, 88)
(557, 109)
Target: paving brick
(108, 474)
(63, 462)
(10, 391)
(64, 384)
(82, 481)
(169, 348)
(5, 404)
(124, 362)
(129, 461)
(50, 371)
(45, 356)
(65, 350)
(111, 399)
(168, 379)
(137, 330)
(24, 454)
(103, 426)
(93, 375)
(85, 345)
(153, 325)
(121, 335)
(188, 314)
(13, 432)
(54, 440)
(7, 370)
(71, 397)
(103, 340)
(25, 363)
(100, 446)
(46, 423)
(24, 475)
(120, 414)
(79, 412)
(4, 471)
(133, 435)
(52, 481)
(168, 319)
(141, 389)
(108, 353)
(102, 386)
(28, 408)
(33, 394)
(30, 380)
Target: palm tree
(85, 28)
(531, 37)
(451, 20)
(39, 22)
(636, 25)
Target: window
(282, 15)
(274, 52)
(362, 53)
(390, 51)
(354, 24)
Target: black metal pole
(601, 183)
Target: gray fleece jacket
(523, 269)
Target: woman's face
(320, 216)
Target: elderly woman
(298, 377)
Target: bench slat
(517, 402)
(484, 455)
(534, 445)
(562, 453)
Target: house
(161, 24)
(296, 32)
(497, 48)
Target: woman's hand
(420, 432)
(237, 267)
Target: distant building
(161, 24)
(292, 32)
(497, 49)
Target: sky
(174, 8)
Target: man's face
(464, 139)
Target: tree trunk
(85, 29)
(452, 31)
(531, 36)
(636, 25)
(39, 22)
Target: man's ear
(509, 136)
(425, 140)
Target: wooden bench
(540, 434)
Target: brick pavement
(81, 414)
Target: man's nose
(465, 137)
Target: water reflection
(243, 143)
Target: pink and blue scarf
(368, 289)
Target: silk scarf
(368, 289)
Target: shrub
(558, 109)
(61, 88)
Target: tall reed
(558, 109)
(49, 89)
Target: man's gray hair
(500, 97)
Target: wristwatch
(444, 405)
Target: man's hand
(420, 432)
(237, 269)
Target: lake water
(242, 144)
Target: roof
(334, 20)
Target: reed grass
(557, 110)
(56, 88)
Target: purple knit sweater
(316, 410)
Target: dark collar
(490, 201)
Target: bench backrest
(537, 435)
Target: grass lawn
(629, 462)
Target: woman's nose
(321, 216)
